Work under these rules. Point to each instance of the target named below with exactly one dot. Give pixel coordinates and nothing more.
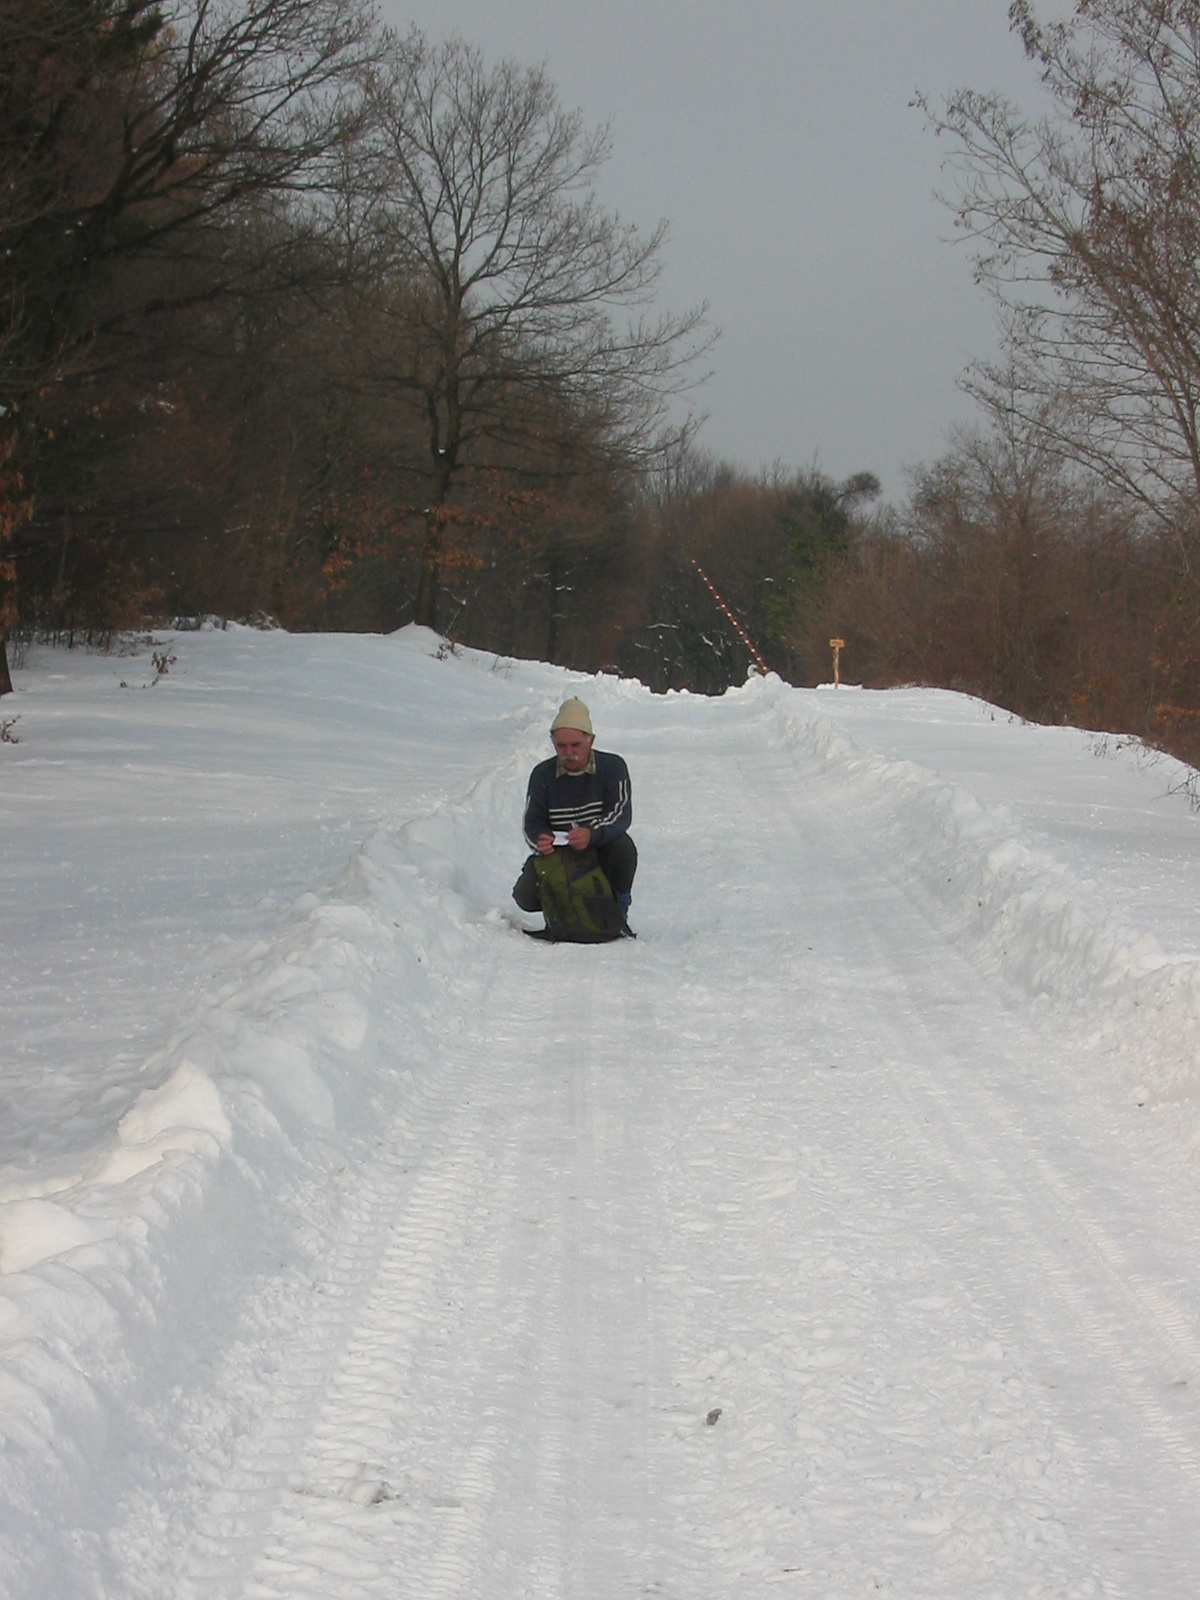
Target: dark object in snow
(577, 899)
(549, 938)
(713, 1417)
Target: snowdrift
(113, 1256)
(992, 892)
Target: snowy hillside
(841, 1233)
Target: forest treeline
(305, 321)
(303, 318)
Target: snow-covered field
(841, 1236)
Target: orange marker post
(837, 646)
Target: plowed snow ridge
(1014, 907)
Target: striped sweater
(598, 798)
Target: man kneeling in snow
(582, 796)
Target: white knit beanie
(572, 714)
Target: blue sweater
(600, 800)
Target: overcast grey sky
(778, 140)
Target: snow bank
(181, 1118)
(282, 1078)
(465, 851)
(1014, 906)
(93, 1254)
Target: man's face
(572, 747)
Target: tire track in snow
(398, 1470)
(1062, 1317)
(1086, 1308)
(244, 1434)
(339, 1525)
(848, 1367)
(1075, 1308)
(1176, 1333)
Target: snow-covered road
(825, 1237)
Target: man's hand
(578, 839)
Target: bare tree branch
(1086, 227)
(517, 298)
(126, 123)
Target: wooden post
(837, 646)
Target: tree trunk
(552, 629)
(5, 678)
(425, 613)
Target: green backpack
(577, 901)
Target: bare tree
(14, 508)
(124, 124)
(523, 309)
(130, 130)
(1087, 227)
